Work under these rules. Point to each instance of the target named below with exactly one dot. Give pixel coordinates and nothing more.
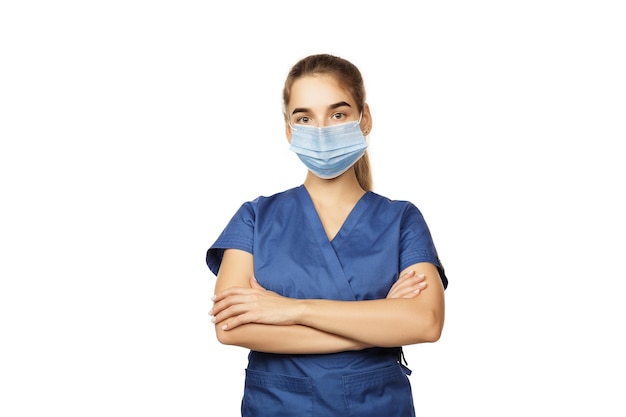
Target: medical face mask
(328, 151)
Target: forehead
(318, 92)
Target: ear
(366, 120)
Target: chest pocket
(274, 395)
(381, 392)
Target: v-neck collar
(346, 228)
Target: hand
(408, 285)
(237, 305)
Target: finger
(408, 289)
(230, 291)
(416, 287)
(229, 313)
(403, 278)
(226, 325)
(411, 292)
(229, 302)
(234, 321)
(414, 282)
(407, 274)
(410, 282)
(421, 286)
(411, 278)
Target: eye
(338, 116)
(303, 120)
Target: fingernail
(211, 312)
(212, 319)
(213, 298)
(416, 291)
(224, 327)
(420, 276)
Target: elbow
(224, 337)
(436, 326)
(220, 336)
(242, 336)
(432, 335)
(432, 328)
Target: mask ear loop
(366, 133)
(359, 123)
(292, 126)
(287, 118)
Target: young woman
(325, 282)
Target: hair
(348, 76)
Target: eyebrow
(332, 107)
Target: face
(320, 101)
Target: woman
(325, 282)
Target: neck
(343, 188)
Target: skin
(245, 314)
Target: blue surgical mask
(328, 151)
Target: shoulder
(404, 213)
(282, 200)
(388, 204)
(264, 200)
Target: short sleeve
(238, 234)
(416, 243)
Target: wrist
(300, 311)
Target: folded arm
(248, 315)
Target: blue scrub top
(293, 257)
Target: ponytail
(363, 172)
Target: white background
(132, 130)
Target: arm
(388, 322)
(235, 272)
